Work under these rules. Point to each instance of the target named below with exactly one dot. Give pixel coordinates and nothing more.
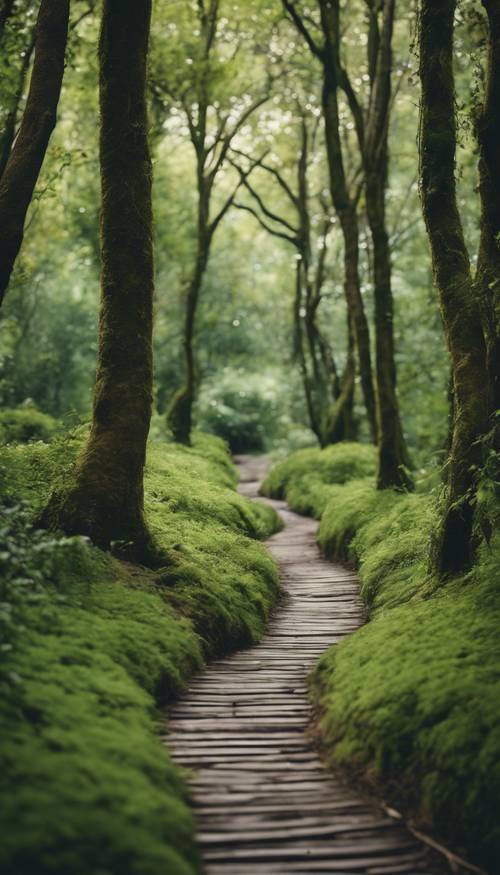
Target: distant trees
(469, 302)
(21, 158)
(371, 125)
(105, 500)
(328, 394)
(212, 129)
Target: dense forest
(265, 232)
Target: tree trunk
(488, 272)
(454, 545)
(299, 351)
(347, 213)
(392, 453)
(339, 423)
(393, 459)
(106, 500)
(180, 411)
(9, 128)
(25, 160)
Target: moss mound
(411, 702)
(306, 476)
(92, 644)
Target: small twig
(455, 862)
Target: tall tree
(372, 128)
(454, 545)
(488, 269)
(106, 499)
(345, 201)
(212, 130)
(328, 396)
(393, 459)
(25, 160)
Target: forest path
(263, 801)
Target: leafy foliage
(24, 424)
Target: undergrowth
(91, 645)
(410, 703)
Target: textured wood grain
(263, 800)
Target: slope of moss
(410, 703)
(93, 644)
(306, 477)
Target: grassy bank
(91, 645)
(411, 702)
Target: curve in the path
(263, 801)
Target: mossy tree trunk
(393, 459)
(25, 159)
(454, 544)
(8, 133)
(345, 205)
(106, 499)
(488, 270)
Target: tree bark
(345, 207)
(106, 500)
(488, 271)
(26, 158)
(180, 411)
(9, 128)
(454, 546)
(393, 459)
(339, 423)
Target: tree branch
(301, 27)
(256, 196)
(281, 234)
(277, 175)
(230, 200)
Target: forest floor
(263, 799)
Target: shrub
(23, 424)
(248, 411)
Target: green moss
(411, 702)
(85, 784)
(305, 478)
(23, 424)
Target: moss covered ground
(91, 647)
(410, 703)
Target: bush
(247, 411)
(85, 784)
(23, 424)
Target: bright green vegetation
(92, 644)
(26, 424)
(306, 477)
(411, 702)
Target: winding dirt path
(264, 803)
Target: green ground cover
(410, 703)
(92, 645)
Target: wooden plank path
(263, 801)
